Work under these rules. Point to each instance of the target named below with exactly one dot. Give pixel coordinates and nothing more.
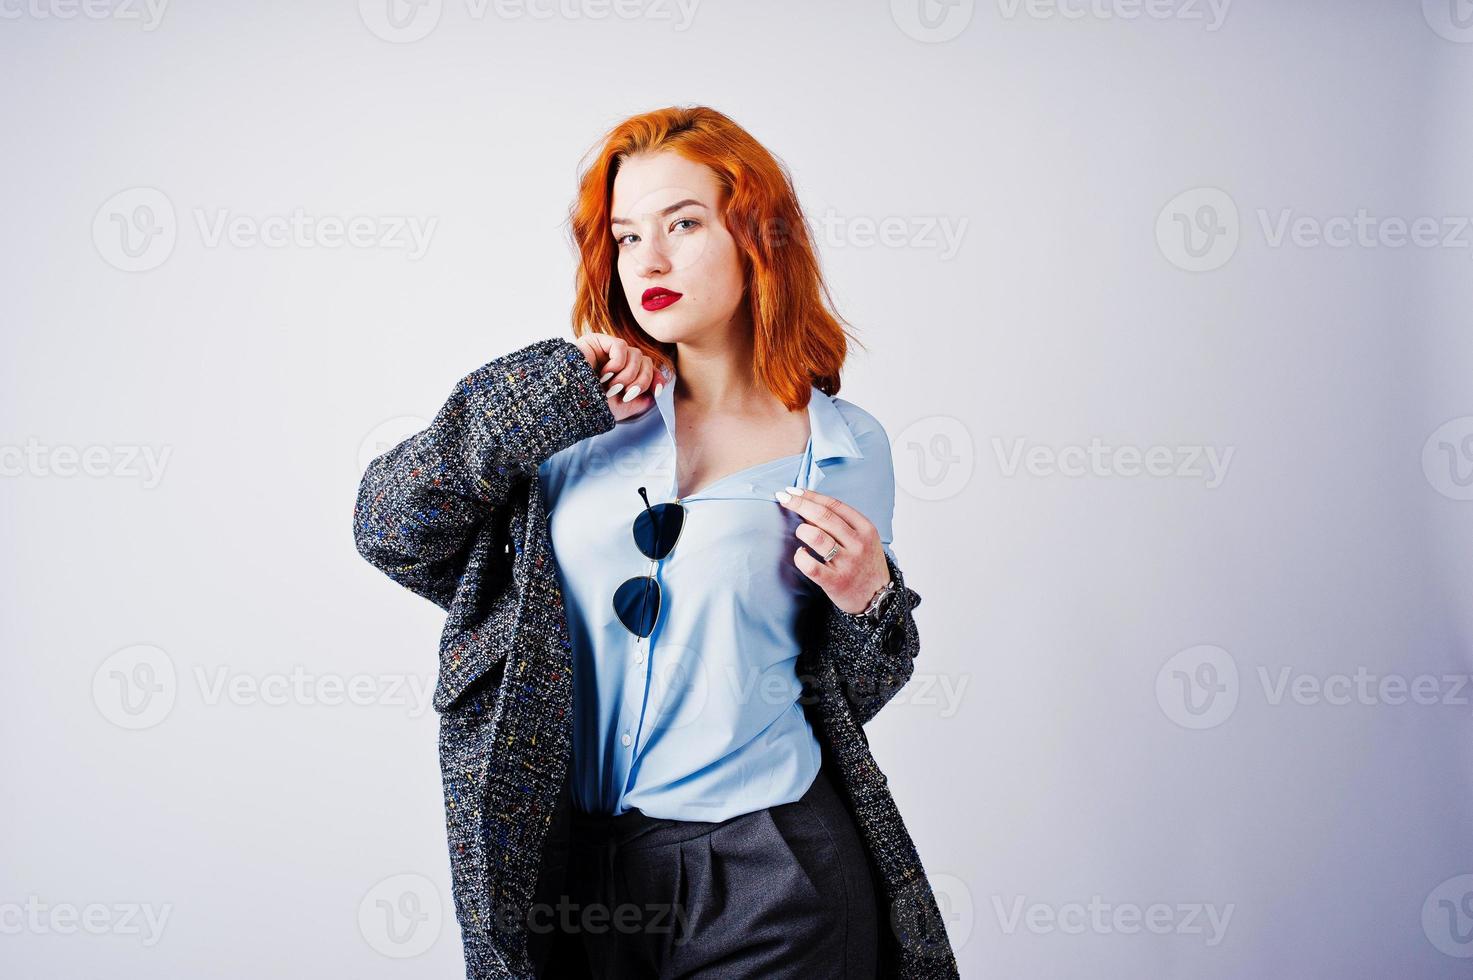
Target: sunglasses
(656, 529)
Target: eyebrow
(674, 207)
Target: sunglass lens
(656, 528)
(637, 602)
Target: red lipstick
(658, 297)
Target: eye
(682, 221)
(619, 239)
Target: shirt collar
(829, 432)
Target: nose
(653, 258)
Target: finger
(628, 374)
(808, 508)
(593, 350)
(821, 541)
(813, 568)
(618, 366)
(850, 515)
(642, 382)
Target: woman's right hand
(632, 369)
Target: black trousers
(781, 892)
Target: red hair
(797, 340)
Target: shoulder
(867, 431)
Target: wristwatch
(872, 612)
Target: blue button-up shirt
(701, 720)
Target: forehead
(648, 182)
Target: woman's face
(669, 236)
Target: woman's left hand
(858, 569)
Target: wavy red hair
(798, 340)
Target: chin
(664, 328)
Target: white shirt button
(639, 656)
(625, 738)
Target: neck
(715, 369)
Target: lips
(658, 297)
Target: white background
(1035, 757)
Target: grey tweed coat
(455, 513)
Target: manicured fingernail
(614, 390)
(606, 377)
(659, 387)
(630, 393)
(782, 498)
(797, 491)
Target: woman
(707, 820)
(663, 733)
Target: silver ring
(832, 552)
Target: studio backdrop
(1165, 314)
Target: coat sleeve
(874, 661)
(420, 504)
